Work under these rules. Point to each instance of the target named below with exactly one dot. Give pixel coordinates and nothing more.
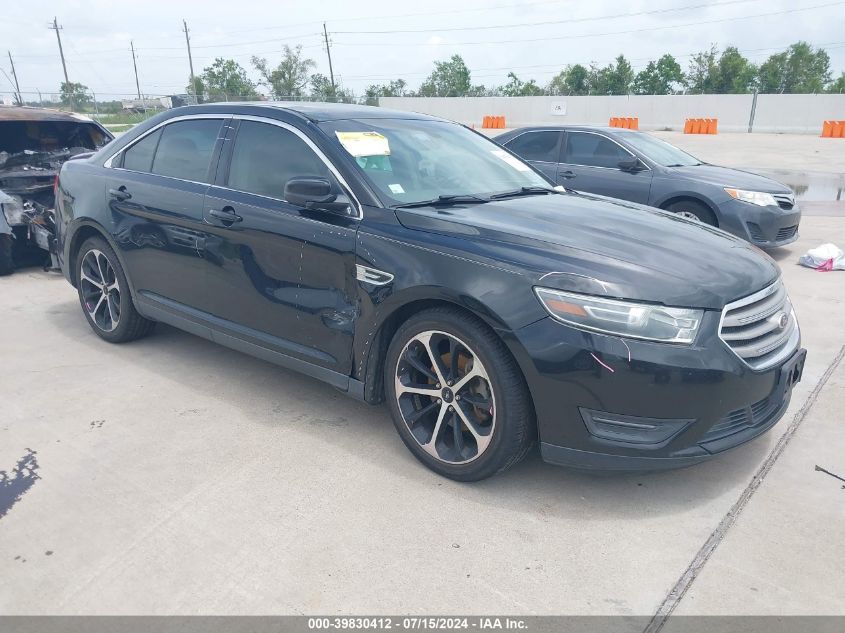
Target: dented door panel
(283, 275)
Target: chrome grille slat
(756, 311)
(753, 327)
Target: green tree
(572, 80)
(289, 78)
(663, 77)
(323, 90)
(395, 88)
(614, 79)
(838, 85)
(449, 79)
(197, 89)
(226, 80)
(799, 69)
(734, 73)
(74, 95)
(702, 76)
(518, 88)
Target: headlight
(623, 318)
(759, 198)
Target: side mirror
(309, 192)
(632, 165)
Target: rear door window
(538, 146)
(266, 156)
(185, 149)
(593, 150)
(139, 157)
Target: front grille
(786, 232)
(761, 329)
(784, 200)
(758, 414)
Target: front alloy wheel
(445, 397)
(457, 396)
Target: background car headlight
(759, 198)
(623, 318)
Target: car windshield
(412, 161)
(659, 151)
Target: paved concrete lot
(172, 475)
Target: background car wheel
(693, 210)
(457, 396)
(104, 294)
(7, 264)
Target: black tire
(7, 263)
(694, 211)
(128, 325)
(512, 427)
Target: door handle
(568, 174)
(120, 193)
(226, 214)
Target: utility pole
(57, 28)
(329, 53)
(190, 61)
(15, 75)
(135, 66)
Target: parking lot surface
(172, 475)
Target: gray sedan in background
(641, 168)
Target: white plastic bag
(824, 258)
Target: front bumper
(712, 399)
(765, 227)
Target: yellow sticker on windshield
(364, 143)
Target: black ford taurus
(404, 258)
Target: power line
(588, 35)
(551, 22)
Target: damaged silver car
(34, 143)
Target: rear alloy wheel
(104, 294)
(457, 396)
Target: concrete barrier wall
(774, 113)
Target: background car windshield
(659, 151)
(416, 160)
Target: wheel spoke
(100, 267)
(453, 360)
(481, 440)
(430, 446)
(417, 415)
(476, 400)
(114, 313)
(425, 339)
(457, 433)
(90, 280)
(475, 372)
(423, 390)
(414, 361)
(96, 309)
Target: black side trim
(585, 460)
(220, 331)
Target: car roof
(561, 128)
(27, 113)
(316, 111)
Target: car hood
(727, 177)
(603, 247)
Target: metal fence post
(753, 111)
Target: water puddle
(809, 186)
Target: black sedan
(404, 258)
(642, 168)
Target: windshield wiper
(457, 198)
(523, 191)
